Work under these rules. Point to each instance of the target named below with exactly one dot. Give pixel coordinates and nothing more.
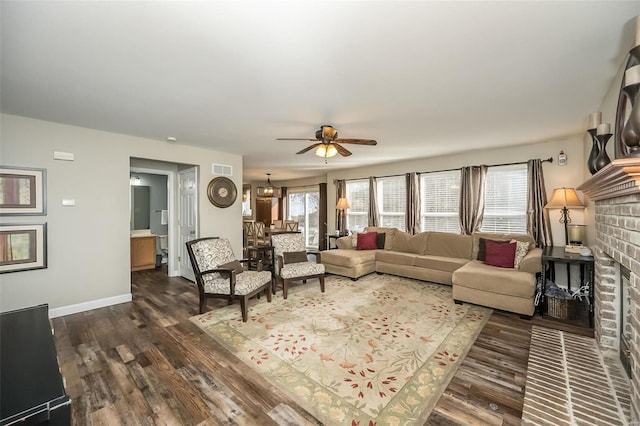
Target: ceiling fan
(327, 143)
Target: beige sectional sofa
(447, 259)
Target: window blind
(358, 196)
(505, 202)
(440, 199)
(392, 201)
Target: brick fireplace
(616, 192)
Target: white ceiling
(422, 78)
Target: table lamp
(343, 204)
(564, 199)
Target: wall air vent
(222, 169)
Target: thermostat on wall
(562, 159)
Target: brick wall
(618, 240)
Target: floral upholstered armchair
(219, 275)
(292, 264)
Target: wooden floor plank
(147, 360)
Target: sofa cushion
(522, 248)
(344, 243)
(498, 237)
(407, 243)
(347, 258)
(500, 254)
(389, 234)
(477, 275)
(448, 264)
(446, 244)
(396, 258)
(367, 241)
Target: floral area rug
(380, 350)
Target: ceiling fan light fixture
(326, 151)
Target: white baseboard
(87, 306)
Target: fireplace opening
(625, 319)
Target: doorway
(151, 209)
(174, 207)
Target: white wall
(608, 108)
(555, 176)
(88, 245)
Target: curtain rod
(548, 160)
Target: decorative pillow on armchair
(499, 254)
(367, 241)
(294, 257)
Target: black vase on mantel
(591, 162)
(603, 159)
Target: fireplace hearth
(616, 192)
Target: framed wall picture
(23, 247)
(22, 191)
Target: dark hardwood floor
(144, 363)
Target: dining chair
(277, 224)
(291, 262)
(249, 233)
(219, 275)
(259, 233)
(291, 225)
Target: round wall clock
(222, 192)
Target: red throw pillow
(368, 241)
(501, 255)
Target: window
(440, 199)
(303, 207)
(358, 213)
(505, 201)
(392, 201)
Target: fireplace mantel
(618, 178)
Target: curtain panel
(341, 215)
(413, 203)
(374, 217)
(472, 185)
(538, 224)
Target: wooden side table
(331, 237)
(263, 253)
(553, 255)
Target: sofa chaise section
(349, 263)
(507, 289)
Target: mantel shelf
(618, 178)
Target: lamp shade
(343, 204)
(564, 197)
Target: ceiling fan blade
(309, 148)
(357, 141)
(342, 150)
(296, 139)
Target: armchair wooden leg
(321, 283)
(203, 302)
(285, 287)
(267, 292)
(243, 307)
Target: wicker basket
(564, 309)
